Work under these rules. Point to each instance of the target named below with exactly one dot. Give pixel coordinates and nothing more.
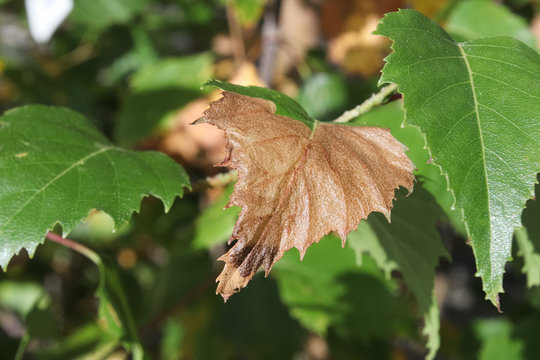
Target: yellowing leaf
(297, 182)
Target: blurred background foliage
(136, 67)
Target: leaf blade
(60, 173)
(290, 176)
(465, 113)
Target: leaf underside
(477, 103)
(296, 184)
(58, 174)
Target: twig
(375, 100)
(239, 50)
(270, 37)
(128, 322)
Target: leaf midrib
(53, 180)
(481, 137)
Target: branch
(375, 100)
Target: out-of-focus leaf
(531, 258)
(432, 325)
(528, 241)
(349, 26)
(88, 342)
(20, 297)
(215, 223)
(57, 168)
(248, 12)
(257, 325)
(411, 245)
(32, 304)
(322, 95)
(526, 330)
(171, 345)
(99, 14)
(412, 241)
(495, 336)
(158, 91)
(483, 18)
(311, 288)
(364, 240)
(142, 53)
(477, 99)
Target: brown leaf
(295, 185)
(349, 24)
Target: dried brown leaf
(295, 185)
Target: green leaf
(99, 14)
(322, 94)
(531, 258)
(114, 312)
(528, 241)
(432, 325)
(158, 91)
(248, 12)
(20, 297)
(284, 105)
(173, 335)
(483, 18)
(497, 342)
(88, 342)
(311, 288)
(410, 244)
(57, 167)
(215, 224)
(477, 104)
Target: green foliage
(482, 18)
(454, 98)
(50, 182)
(328, 89)
(497, 342)
(167, 85)
(528, 241)
(132, 67)
(247, 11)
(214, 225)
(99, 14)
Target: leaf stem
(115, 289)
(22, 346)
(375, 100)
(81, 249)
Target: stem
(105, 282)
(270, 37)
(25, 340)
(235, 30)
(375, 100)
(81, 249)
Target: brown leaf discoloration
(296, 185)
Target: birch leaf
(298, 179)
(57, 168)
(477, 104)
